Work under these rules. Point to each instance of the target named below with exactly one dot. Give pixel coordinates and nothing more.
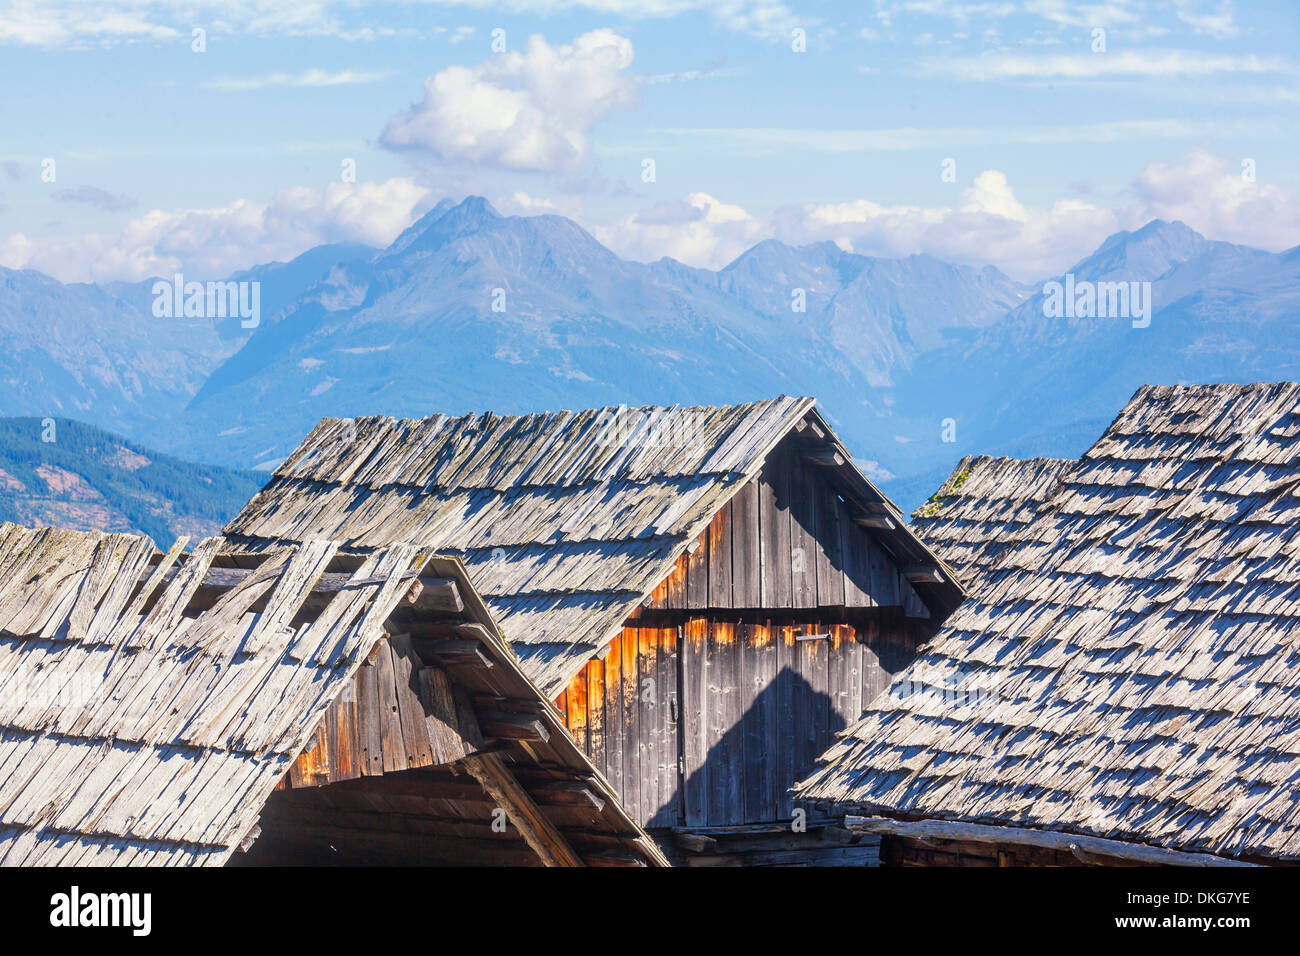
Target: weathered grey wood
(824, 457)
(537, 830)
(923, 830)
(509, 726)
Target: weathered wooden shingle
(982, 506)
(1129, 665)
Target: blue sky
(168, 158)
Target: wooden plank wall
(747, 707)
(787, 540)
(623, 710)
(377, 725)
(760, 706)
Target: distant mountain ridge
(71, 475)
(470, 310)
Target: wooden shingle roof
(982, 506)
(150, 704)
(1130, 668)
(132, 733)
(566, 520)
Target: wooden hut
(295, 706)
(1124, 686)
(708, 594)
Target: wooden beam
(809, 429)
(880, 522)
(452, 652)
(569, 793)
(827, 457)
(537, 830)
(434, 594)
(507, 726)
(1073, 843)
(923, 574)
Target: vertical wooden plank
(390, 723)
(596, 712)
(632, 743)
(787, 731)
(830, 562)
(746, 575)
(803, 553)
(875, 678)
(415, 732)
(697, 575)
(774, 532)
(667, 672)
(648, 720)
(577, 701)
(346, 764)
(695, 714)
(726, 749)
(758, 651)
(676, 582)
(368, 719)
(845, 679)
(854, 548)
(884, 577)
(614, 742)
(817, 673)
(720, 558)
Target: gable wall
(709, 705)
(787, 540)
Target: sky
(143, 137)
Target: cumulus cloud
(987, 224)
(216, 242)
(699, 230)
(1215, 196)
(525, 110)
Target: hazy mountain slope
(91, 479)
(94, 353)
(915, 361)
(1031, 384)
(414, 330)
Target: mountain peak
(1143, 254)
(444, 222)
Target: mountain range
(915, 361)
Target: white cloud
(529, 110)
(1152, 63)
(734, 139)
(216, 242)
(1211, 195)
(307, 78)
(987, 224)
(699, 230)
(57, 23)
(1215, 20)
